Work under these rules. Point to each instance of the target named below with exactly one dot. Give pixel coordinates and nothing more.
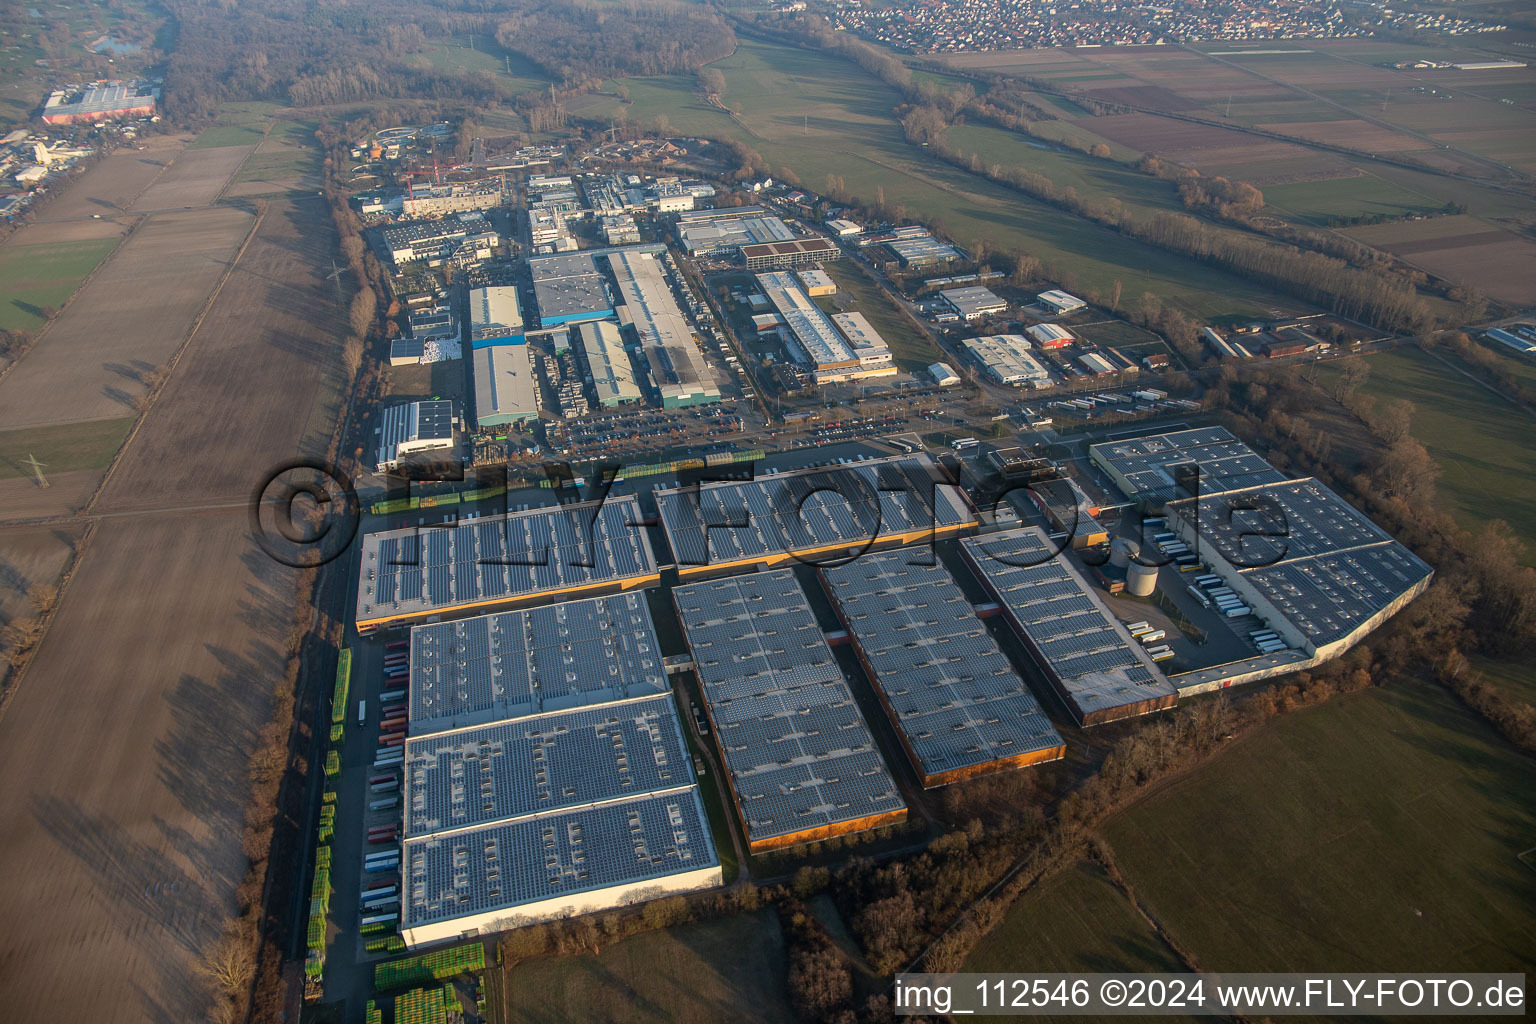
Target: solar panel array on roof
(953, 693)
(417, 571)
(763, 520)
(548, 857)
(543, 763)
(1320, 562)
(799, 752)
(1154, 465)
(509, 664)
(1092, 658)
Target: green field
(1364, 195)
(456, 54)
(34, 276)
(911, 349)
(727, 970)
(1485, 446)
(818, 115)
(1090, 176)
(1075, 921)
(221, 135)
(62, 449)
(1377, 832)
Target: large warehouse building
(413, 428)
(494, 313)
(1007, 359)
(1316, 570)
(550, 816)
(802, 763)
(506, 392)
(569, 288)
(958, 705)
(679, 371)
(1163, 467)
(815, 513)
(521, 557)
(612, 375)
(724, 232)
(101, 101)
(1099, 671)
(835, 351)
(511, 664)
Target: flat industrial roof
(807, 510)
(505, 388)
(515, 663)
(950, 689)
(1095, 663)
(612, 375)
(487, 773)
(545, 857)
(567, 286)
(974, 300)
(677, 364)
(494, 312)
(1007, 357)
(1317, 559)
(800, 754)
(417, 571)
(814, 331)
(1154, 464)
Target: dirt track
(131, 317)
(194, 178)
(125, 744)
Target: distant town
(955, 25)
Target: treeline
(577, 41)
(1491, 366)
(1324, 280)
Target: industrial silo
(1140, 580)
(1122, 551)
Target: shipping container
(1156, 634)
(392, 695)
(380, 919)
(1133, 627)
(398, 645)
(1237, 612)
(384, 803)
(379, 890)
(1199, 595)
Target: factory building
(1007, 359)
(1312, 567)
(915, 247)
(539, 818)
(1306, 564)
(801, 763)
(1095, 666)
(973, 303)
(1096, 364)
(100, 101)
(1179, 464)
(608, 364)
(817, 283)
(1070, 511)
(1050, 336)
(506, 665)
(953, 697)
(797, 252)
(620, 229)
(459, 197)
(871, 350)
(494, 313)
(678, 370)
(815, 340)
(817, 513)
(1061, 302)
(506, 392)
(942, 375)
(413, 428)
(519, 558)
(724, 232)
(569, 289)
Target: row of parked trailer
(379, 900)
(1222, 597)
(1267, 641)
(1149, 638)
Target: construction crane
(37, 469)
